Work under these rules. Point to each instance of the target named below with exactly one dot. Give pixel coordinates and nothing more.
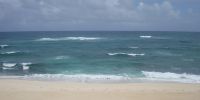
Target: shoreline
(90, 78)
(16, 89)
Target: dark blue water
(149, 55)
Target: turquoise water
(98, 55)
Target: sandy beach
(12, 89)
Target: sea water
(102, 56)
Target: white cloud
(158, 11)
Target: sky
(118, 15)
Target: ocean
(101, 56)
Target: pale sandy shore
(11, 89)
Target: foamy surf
(171, 77)
(8, 66)
(68, 38)
(10, 52)
(4, 45)
(13, 66)
(148, 77)
(145, 36)
(78, 77)
(25, 66)
(127, 54)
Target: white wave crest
(25, 66)
(145, 36)
(61, 57)
(4, 45)
(133, 47)
(78, 77)
(8, 66)
(68, 38)
(11, 52)
(171, 77)
(128, 54)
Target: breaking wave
(3, 46)
(26, 66)
(69, 38)
(8, 66)
(11, 52)
(126, 54)
(171, 77)
(12, 66)
(145, 36)
(78, 77)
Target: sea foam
(4, 45)
(25, 66)
(68, 38)
(11, 52)
(8, 66)
(145, 36)
(78, 77)
(171, 77)
(128, 54)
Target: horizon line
(94, 31)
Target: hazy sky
(135, 15)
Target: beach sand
(13, 89)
